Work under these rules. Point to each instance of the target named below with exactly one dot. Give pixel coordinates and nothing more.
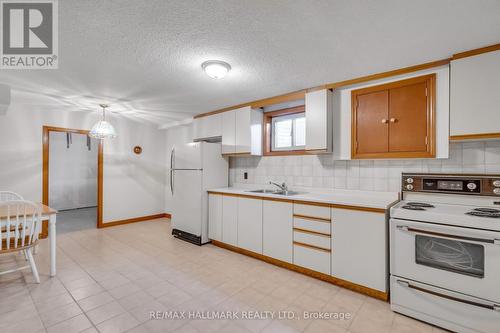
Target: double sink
(279, 192)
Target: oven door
(459, 259)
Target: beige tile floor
(109, 280)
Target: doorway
(72, 178)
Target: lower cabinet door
(277, 230)
(230, 220)
(250, 224)
(316, 260)
(359, 247)
(215, 217)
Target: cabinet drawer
(312, 225)
(320, 241)
(312, 211)
(307, 257)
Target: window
(285, 131)
(288, 132)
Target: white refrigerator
(194, 168)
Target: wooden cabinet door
(408, 117)
(394, 120)
(250, 224)
(370, 121)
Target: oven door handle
(440, 234)
(494, 307)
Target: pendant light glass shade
(103, 129)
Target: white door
(243, 134)
(187, 156)
(228, 132)
(230, 220)
(215, 217)
(187, 201)
(277, 230)
(250, 224)
(359, 247)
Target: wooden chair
(20, 225)
(8, 196)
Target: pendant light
(103, 129)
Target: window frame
(268, 129)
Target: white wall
(133, 184)
(72, 171)
(174, 136)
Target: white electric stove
(445, 251)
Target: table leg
(52, 242)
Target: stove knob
(410, 180)
(409, 187)
(496, 183)
(496, 191)
(471, 186)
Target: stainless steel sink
(285, 193)
(263, 191)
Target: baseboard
(321, 276)
(135, 219)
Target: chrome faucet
(282, 187)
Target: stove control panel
(487, 185)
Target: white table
(48, 214)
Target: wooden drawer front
(312, 211)
(312, 225)
(316, 260)
(323, 242)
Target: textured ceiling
(144, 56)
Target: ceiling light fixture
(216, 69)
(103, 129)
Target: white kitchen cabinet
(277, 230)
(250, 224)
(230, 220)
(359, 247)
(475, 98)
(229, 132)
(242, 131)
(207, 127)
(215, 217)
(319, 122)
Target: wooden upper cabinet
(394, 120)
(372, 132)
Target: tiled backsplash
(321, 171)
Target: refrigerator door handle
(172, 165)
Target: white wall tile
(321, 171)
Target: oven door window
(450, 255)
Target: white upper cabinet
(242, 131)
(228, 132)
(475, 95)
(319, 120)
(208, 127)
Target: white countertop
(369, 199)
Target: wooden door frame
(45, 174)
